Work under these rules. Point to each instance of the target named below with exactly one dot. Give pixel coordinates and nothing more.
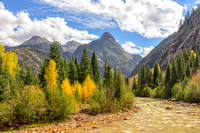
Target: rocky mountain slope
(33, 51)
(188, 36)
(154, 55)
(108, 48)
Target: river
(155, 116)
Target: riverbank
(82, 120)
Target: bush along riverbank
(59, 90)
(177, 81)
(81, 120)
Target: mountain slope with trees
(155, 55)
(107, 48)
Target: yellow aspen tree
(51, 75)
(87, 88)
(66, 86)
(2, 50)
(10, 61)
(76, 86)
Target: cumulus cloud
(150, 18)
(14, 29)
(197, 2)
(133, 49)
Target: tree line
(152, 82)
(61, 88)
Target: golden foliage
(51, 74)
(87, 88)
(10, 61)
(66, 86)
(77, 86)
(2, 50)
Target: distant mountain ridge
(106, 48)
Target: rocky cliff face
(70, 46)
(188, 36)
(108, 48)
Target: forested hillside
(59, 90)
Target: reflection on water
(153, 117)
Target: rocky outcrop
(188, 36)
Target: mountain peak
(35, 37)
(107, 35)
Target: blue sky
(137, 26)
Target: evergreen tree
(84, 68)
(181, 66)
(120, 86)
(134, 87)
(3, 88)
(188, 71)
(115, 74)
(22, 74)
(108, 82)
(168, 76)
(42, 80)
(197, 62)
(30, 78)
(174, 77)
(192, 60)
(155, 74)
(3, 82)
(95, 68)
(66, 67)
(77, 66)
(127, 81)
(142, 76)
(149, 77)
(105, 73)
(55, 55)
(72, 71)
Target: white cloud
(197, 2)
(14, 29)
(150, 18)
(133, 49)
(185, 7)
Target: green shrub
(160, 92)
(60, 104)
(192, 93)
(98, 102)
(30, 105)
(6, 114)
(127, 100)
(177, 92)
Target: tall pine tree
(95, 68)
(66, 67)
(42, 80)
(55, 55)
(175, 75)
(73, 77)
(30, 78)
(155, 74)
(84, 68)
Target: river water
(153, 118)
